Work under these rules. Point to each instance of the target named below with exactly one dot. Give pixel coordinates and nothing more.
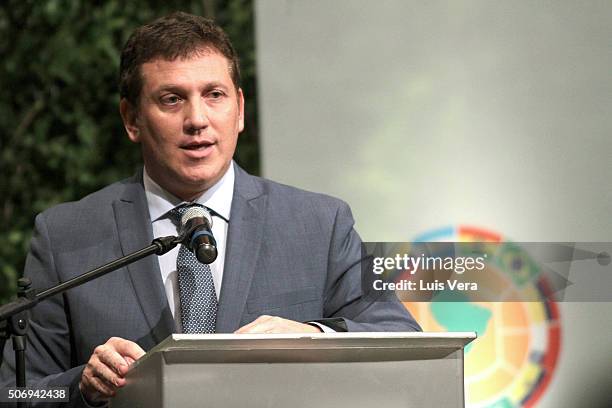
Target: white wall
(426, 114)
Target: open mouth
(198, 150)
(197, 146)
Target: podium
(323, 370)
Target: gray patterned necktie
(196, 289)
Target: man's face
(188, 119)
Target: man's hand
(107, 367)
(275, 324)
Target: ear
(130, 120)
(240, 110)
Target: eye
(170, 99)
(216, 94)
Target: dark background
(61, 135)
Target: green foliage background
(61, 135)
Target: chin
(202, 180)
(203, 175)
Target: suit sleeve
(48, 349)
(348, 306)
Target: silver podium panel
(357, 370)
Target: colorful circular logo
(512, 361)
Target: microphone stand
(14, 314)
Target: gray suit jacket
(290, 253)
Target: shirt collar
(218, 198)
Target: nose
(196, 117)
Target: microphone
(196, 225)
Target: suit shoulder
(96, 203)
(291, 192)
(298, 200)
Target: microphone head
(196, 212)
(196, 225)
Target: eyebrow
(176, 87)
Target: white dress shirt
(219, 199)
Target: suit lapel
(135, 232)
(243, 244)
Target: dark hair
(177, 35)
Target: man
(289, 260)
